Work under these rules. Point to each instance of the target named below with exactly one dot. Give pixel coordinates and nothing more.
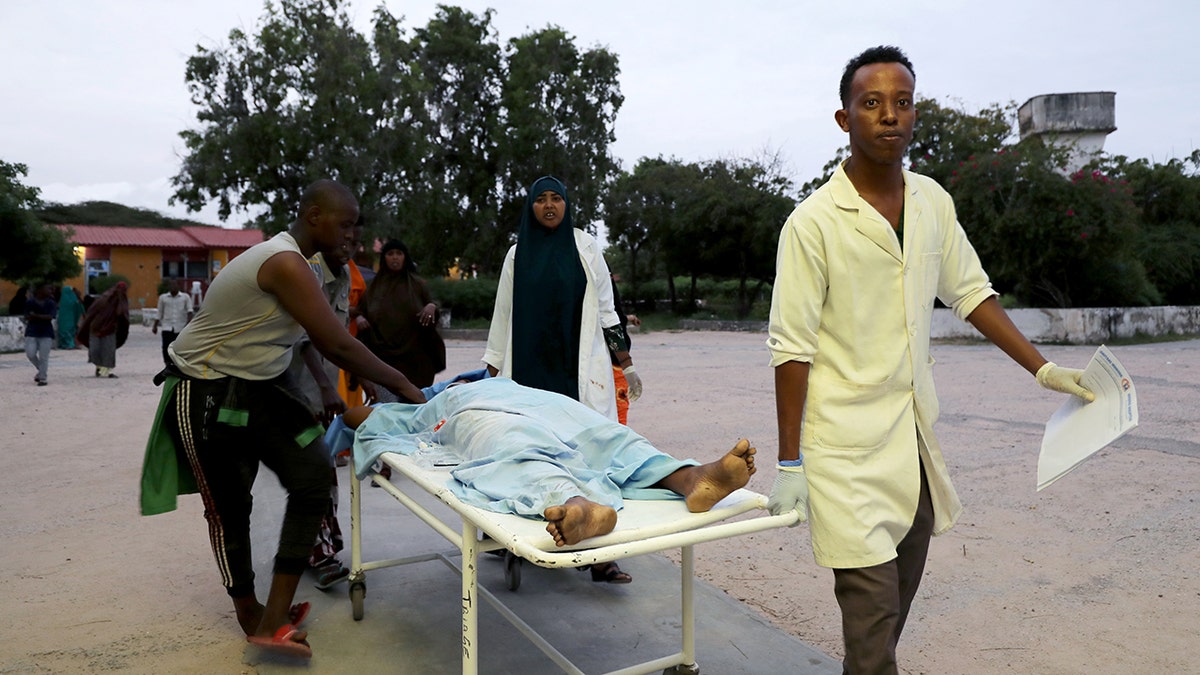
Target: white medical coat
(849, 301)
(596, 388)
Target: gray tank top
(240, 330)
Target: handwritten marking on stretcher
(467, 605)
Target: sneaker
(331, 575)
(41, 383)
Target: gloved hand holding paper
(1078, 429)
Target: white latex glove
(1063, 380)
(789, 493)
(635, 382)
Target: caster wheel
(358, 591)
(512, 570)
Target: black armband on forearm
(616, 340)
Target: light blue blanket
(517, 449)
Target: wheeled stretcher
(643, 526)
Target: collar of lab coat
(869, 222)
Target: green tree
(30, 251)
(1052, 240)
(437, 132)
(559, 110)
(649, 215)
(640, 210)
(718, 219)
(735, 225)
(279, 110)
(944, 137)
(451, 72)
(1167, 197)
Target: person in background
(174, 311)
(40, 311)
(349, 386)
(399, 319)
(859, 265)
(554, 323)
(16, 306)
(104, 328)
(70, 311)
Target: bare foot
(716, 480)
(579, 519)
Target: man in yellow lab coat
(860, 262)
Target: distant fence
(1092, 325)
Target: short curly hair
(880, 54)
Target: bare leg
(579, 519)
(249, 613)
(279, 603)
(705, 485)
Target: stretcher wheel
(512, 570)
(358, 591)
(693, 669)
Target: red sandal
(283, 642)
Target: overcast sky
(92, 94)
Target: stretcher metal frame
(643, 526)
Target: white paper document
(1078, 429)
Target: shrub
(465, 298)
(101, 284)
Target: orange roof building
(148, 255)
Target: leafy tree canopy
(30, 251)
(438, 131)
(719, 218)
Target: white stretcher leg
(355, 523)
(687, 591)
(470, 595)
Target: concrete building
(1076, 122)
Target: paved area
(1091, 575)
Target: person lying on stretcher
(539, 454)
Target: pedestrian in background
(174, 311)
(39, 330)
(70, 311)
(104, 328)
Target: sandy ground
(1096, 574)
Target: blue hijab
(548, 288)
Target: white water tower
(1076, 122)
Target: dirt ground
(1095, 574)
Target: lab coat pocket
(930, 273)
(850, 415)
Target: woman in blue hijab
(554, 321)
